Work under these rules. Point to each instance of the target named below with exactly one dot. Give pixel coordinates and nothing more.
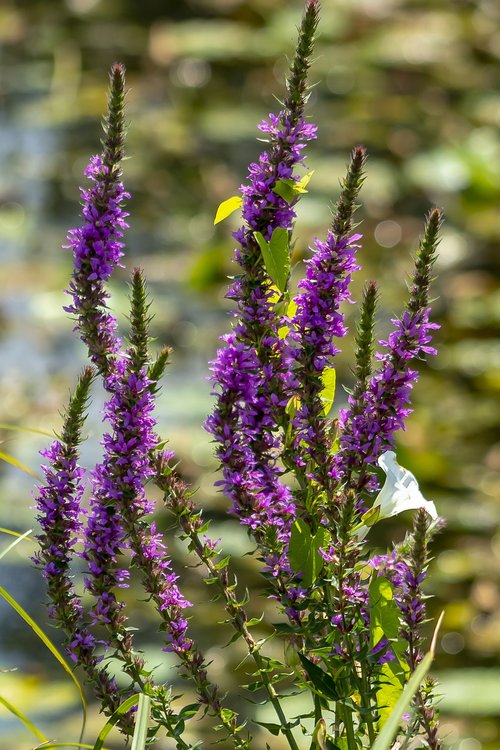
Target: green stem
(365, 699)
(349, 728)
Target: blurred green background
(419, 84)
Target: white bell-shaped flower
(399, 493)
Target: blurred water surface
(419, 85)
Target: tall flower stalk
(376, 412)
(249, 373)
(59, 506)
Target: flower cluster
(97, 249)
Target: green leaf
(371, 516)
(304, 182)
(27, 723)
(391, 686)
(276, 255)
(303, 550)
(322, 681)
(289, 189)
(286, 189)
(275, 729)
(228, 207)
(141, 723)
(385, 623)
(114, 719)
(327, 395)
(11, 460)
(385, 615)
(48, 643)
(292, 406)
(20, 538)
(386, 737)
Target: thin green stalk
(365, 700)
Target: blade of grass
(114, 719)
(45, 746)
(48, 643)
(141, 723)
(27, 723)
(18, 428)
(20, 538)
(15, 533)
(11, 460)
(390, 728)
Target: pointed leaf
(48, 744)
(384, 615)
(327, 395)
(275, 729)
(385, 738)
(16, 533)
(276, 255)
(304, 182)
(18, 428)
(228, 207)
(322, 681)
(303, 550)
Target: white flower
(399, 493)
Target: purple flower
(97, 249)
(316, 325)
(366, 434)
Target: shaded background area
(419, 84)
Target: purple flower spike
(97, 249)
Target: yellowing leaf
(228, 207)
(327, 395)
(303, 182)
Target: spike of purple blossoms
(243, 421)
(368, 425)
(119, 504)
(315, 327)
(97, 249)
(365, 436)
(58, 504)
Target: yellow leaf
(228, 207)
